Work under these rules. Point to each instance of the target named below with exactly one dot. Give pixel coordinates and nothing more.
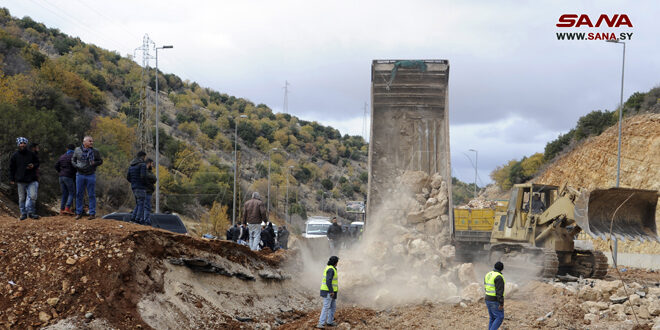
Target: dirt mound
(58, 271)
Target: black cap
(499, 266)
(333, 261)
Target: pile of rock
(479, 204)
(408, 245)
(608, 300)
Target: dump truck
(409, 125)
(537, 232)
(472, 229)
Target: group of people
(256, 230)
(77, 175)
(269, 237)
(140, 175)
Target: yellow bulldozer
(536, 232)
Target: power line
(144, 140)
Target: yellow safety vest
(335, 282)
(489, 282)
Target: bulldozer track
(535, 261)
(589, 264)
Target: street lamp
(233, 216)
(268, 194)
(476, 163)
(157, 143)
(286, 210)
(618, 154)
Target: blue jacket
(136, 174)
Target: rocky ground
(60, 273)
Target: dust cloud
(405, 254)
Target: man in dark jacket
(283, 237)
(234, 233)
(334, 235)
(329, 291)
(268, 236)
(136, 175)
(254, 213)
(494, 287)
(245, 235)
(149, 182)
(67, 175)
(86, 159)
(23, 166)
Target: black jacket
(268, 237)
(18, 163)
(150, 182)
(334, 232)
(245, 234)
(234, 233)
(499, 290)
(137, 174)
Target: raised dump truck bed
(409, 124)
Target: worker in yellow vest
(494, 287)
(329, 288)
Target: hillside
(592, 164)
(54, 89)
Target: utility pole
(285, 107)
(157, 143)
(144, 141)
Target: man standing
(254, 213)
(494, 287)
(149, 182)
(23, 166)
(283, 237)
(34, 147)
(329, 290)
(86, 159)
(67, 175)
(334, 235)
(136, 175)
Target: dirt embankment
(65, 273)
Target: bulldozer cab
(529, 199)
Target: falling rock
(415, 180)
(472, 292)
(434, 211)
(466, 274)
(419, 247)
(436, 181)
(447, 252)
(430, 202)
(415, 217)
(432, 227)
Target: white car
(316, 227)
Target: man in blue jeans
(86, 159)
(136, 175)
(23, 166)
(67, 175)
(494, 287)
(329, 290)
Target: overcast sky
(513, 85)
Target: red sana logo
(574, 20)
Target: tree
(216, 221)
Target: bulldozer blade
(622, 212)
